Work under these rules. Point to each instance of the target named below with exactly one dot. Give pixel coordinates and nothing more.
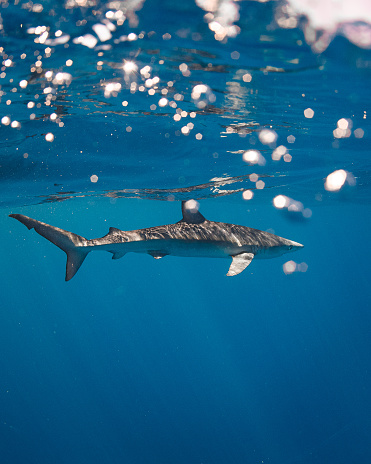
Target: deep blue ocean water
(169, 361)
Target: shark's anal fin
(240, 263)
(157, 254)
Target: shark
(192, 236)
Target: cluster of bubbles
(344, 129)
(326, 19)
(291, 266)
(142, 80)
(337, 179)
(46, 96)
(333, 182)
(323, 20)
(293, 206)
(221, 16)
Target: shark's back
(211, 231)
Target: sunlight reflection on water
(154, 111)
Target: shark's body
(193, 236)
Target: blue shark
(192, 236)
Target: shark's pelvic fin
(240, 263)
(190, 212)
(118, 254)
(157, 254)
(72, 244)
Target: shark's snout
(292, 246)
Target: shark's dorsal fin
(240, 263)
(112, 230)
(190, 212)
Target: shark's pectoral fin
(157, 254)
(240, 263)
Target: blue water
(170, 361)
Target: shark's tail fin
(72, 244)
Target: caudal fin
(73, 245)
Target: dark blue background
(140, 360)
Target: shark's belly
(200, 248)
(191, 248)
